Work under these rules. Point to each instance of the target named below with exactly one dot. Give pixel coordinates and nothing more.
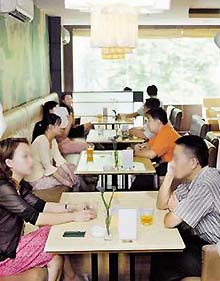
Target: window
(184, 69)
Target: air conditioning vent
(19, 16)
(204, 13)
(22, 10)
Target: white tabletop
(154, 238)
(103, 165)
(106, 136)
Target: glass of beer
(99, 118)
(146, 216)
(90, 153)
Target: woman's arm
(51, 207)
(62, 180)
(70, 173)
(54, 219)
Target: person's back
(163, 143)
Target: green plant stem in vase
(116, 158)
(107, 209)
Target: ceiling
(178, 14)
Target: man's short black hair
(127, 89)
(152, 103)
(152, 90)
(159, 114)
(197, 146)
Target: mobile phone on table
(74, 234)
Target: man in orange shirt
(159, 149)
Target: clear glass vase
(108, 236)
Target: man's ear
(194, 162)
(8, 162)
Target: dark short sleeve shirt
(14, 210)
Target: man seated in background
(194, 207)
(144, 132)
(152, 93)
(76, 130)
(127, 89)
(160, 147)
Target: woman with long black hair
(50, 168)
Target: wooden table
(106, 121)
(103, 165)
(106, 136)
(154, 238)
(216, 109)
(216, 133)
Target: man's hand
(173, 202)
(171, 169)
(139, 147)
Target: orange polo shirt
(163, 143)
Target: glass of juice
(90, 153)
(99, 118)
(146, 216)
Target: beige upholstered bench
(210, 265)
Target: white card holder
(127, 159)
(127, 224)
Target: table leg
(113, 267)
(115, 181)
(102, 180)
(106, 181)
(126, 182)
(132, 267)
(94, 269)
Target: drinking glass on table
(146, 216)
(90, 153)
(99, 118)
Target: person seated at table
(50, 168)
(152, 93)
(144, 132)
(18, 252)
(65, 144)
(76, 130)
(194, 207)
(159, 148)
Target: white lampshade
(114, 23)
(114, 26)
(86, 5)
(2, 121)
